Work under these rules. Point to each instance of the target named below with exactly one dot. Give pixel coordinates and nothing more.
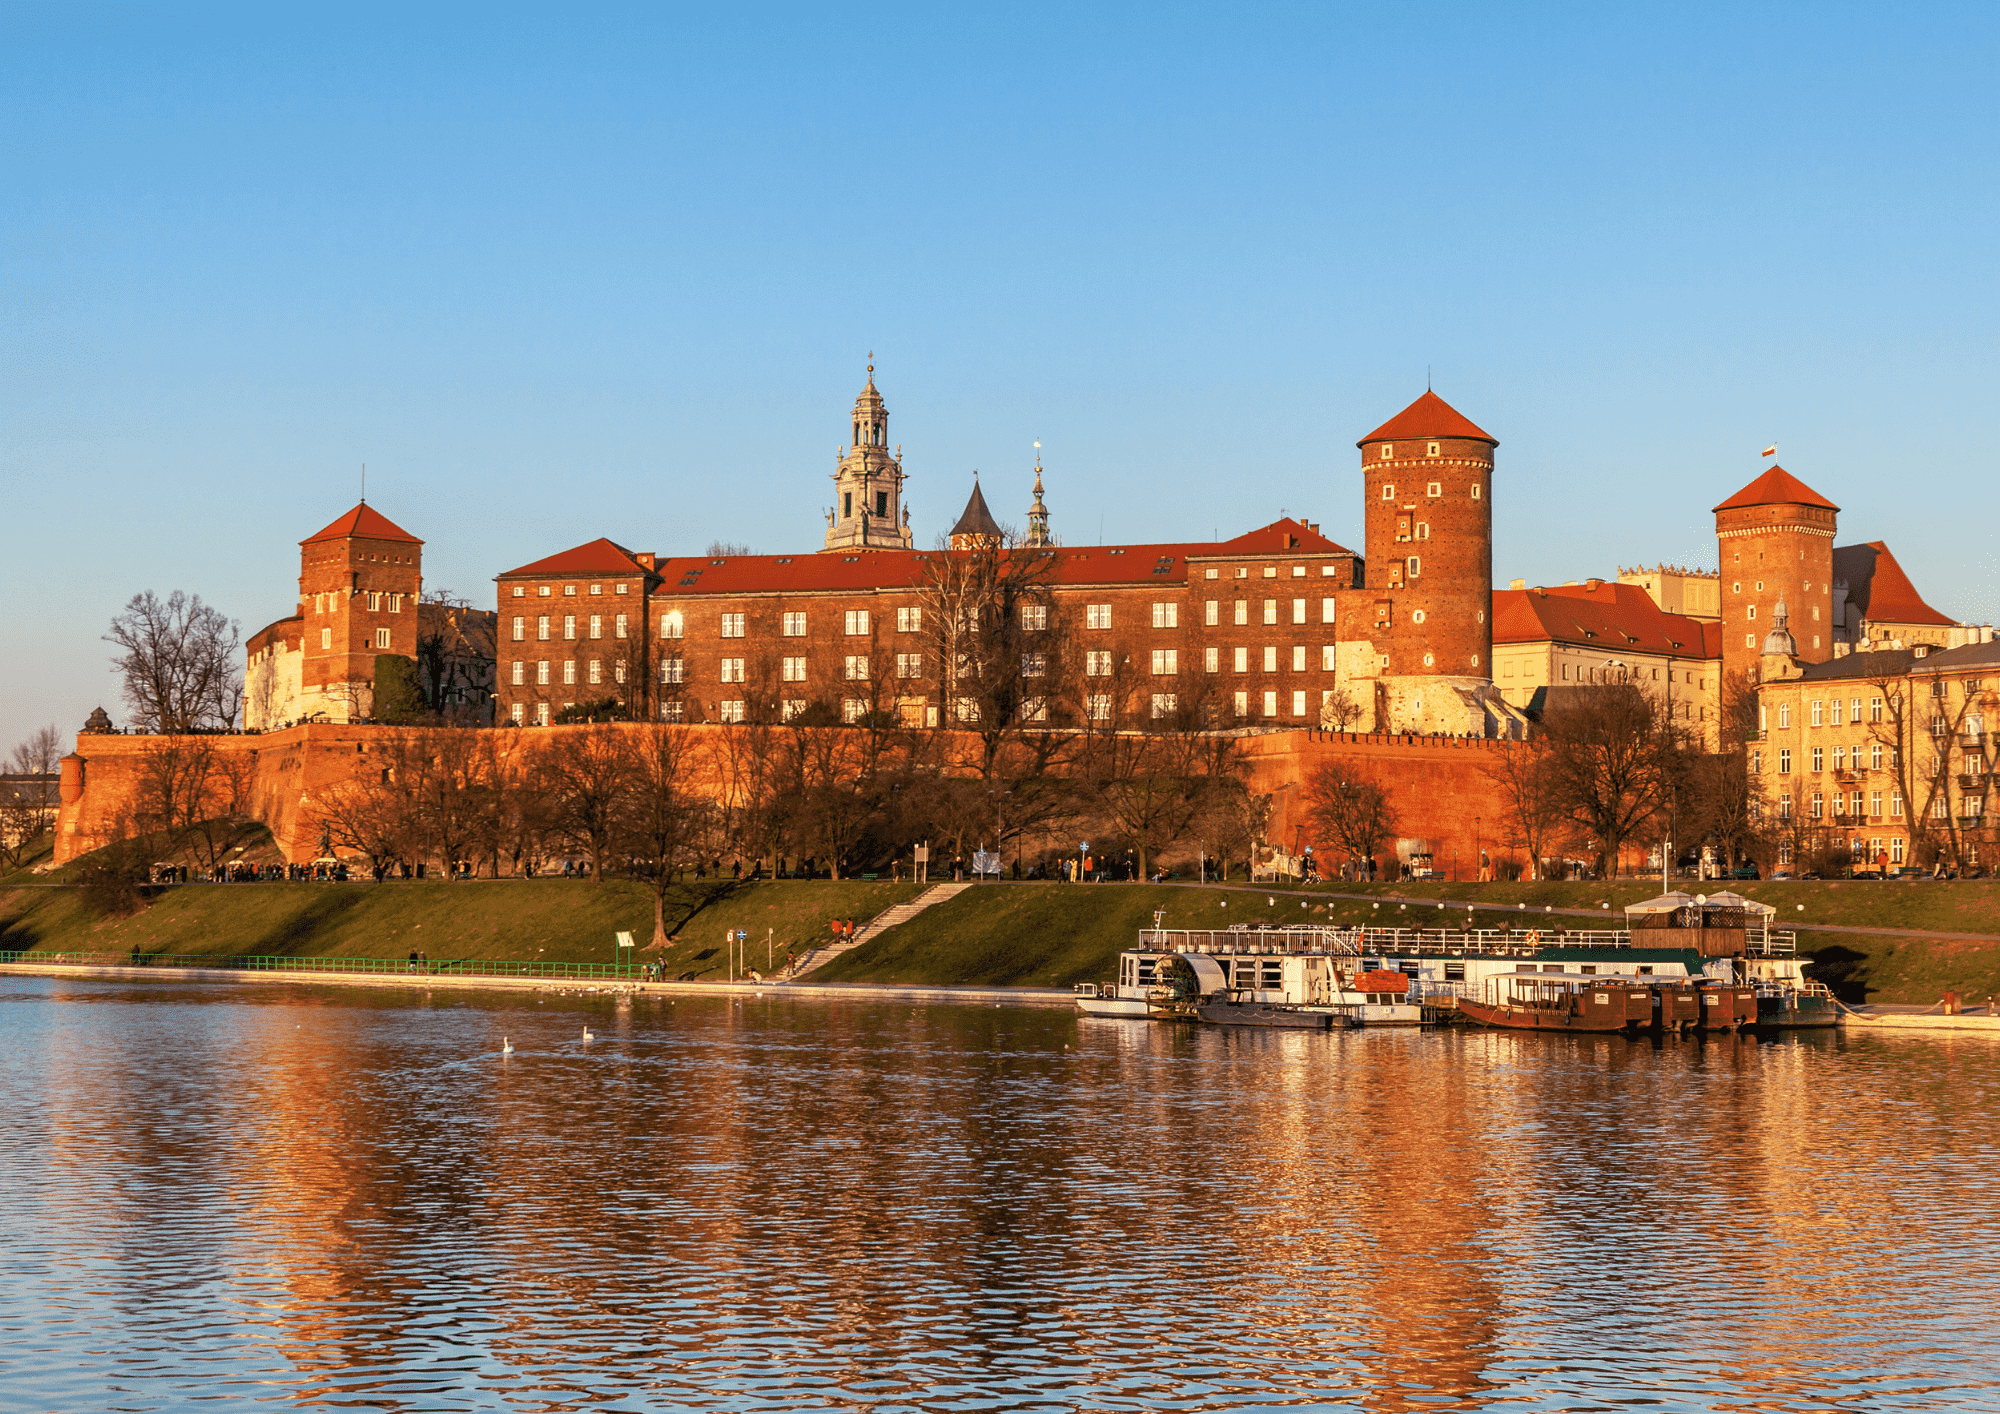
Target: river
(313, 1196)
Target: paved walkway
(881, 923)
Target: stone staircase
(881, 923)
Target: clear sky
(570, 271)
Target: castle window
(1211, 613)
(1241, 658)
(794, 625)
(1270, 611)
(1749, 640)
(597, 589)
(518, 711)
(1431, 450)
(541, 714)
(881, 503)
(1326, 658)
(1163, 705)
(569, 626)
(1097, 616)
(729, 711)
(847, 505)
(908, 665)
(1099, 706)
(569, 673)
(1817, 705)
(1270, 571)
(542, 673)
(732, 626)
(1417, 616)
(1166, 661)
(1423, 530)
(670, 624)
(857, 667)
(569, 591)
(1242, 612)
(1298, 571)
(1298, 657)
(1751, 613)
(1760, 586)
(1784, 716)
(1242, 572)
(1429, 659)
(1402, 527)
(1475, 490)
(1270, 658)
(1436, 488)
(1818, 759)
(542, 628)
(795, 670)
(1298, 611)
(543, 591)
(1167, 615)
(909, 620)
(1388, 492)
(1416, 566)
(595, 671)
(1242, 704)
(1298, 704)
(621, 589)
(520, 672)
(1211, 659)
(1388, 450)
(1035, 617)
(1210, 574)
(673, 670)
(675, 711)
(618, 626)
(382, 638)
(1097, 664)
(857, 622)
(732, 670)
(520, 628)
(1326, 610)
(519, 591)
(1271, 704)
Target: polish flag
(1772, 450)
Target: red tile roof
(1275, 539)
(1777, 487)
(1879, 588)
(600, 556)
(364, 522)
(859, 571)
(1619, 618)
(1428, 416)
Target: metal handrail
(464, 967)
(1452, 942)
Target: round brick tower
(1428, 479)
(1775, 542)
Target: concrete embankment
(172, 976)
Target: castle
(1279, 627)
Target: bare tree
(1604, 767)
(1522, 774)
(173, 796)
(179, 658)
(28, 803)
(1156, 782)
(1349, 810)
(661, 825)
(588, 776)
(39, 753)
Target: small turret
(1038, 514)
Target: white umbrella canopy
(1665, 903)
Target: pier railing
(469, 967)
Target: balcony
(1974, 781)
(1853, 777)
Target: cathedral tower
(1774, 540)
(1038, 514)
(868, 511)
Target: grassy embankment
(546, 920)
(1053, 935)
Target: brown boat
(1728, 1008)
(1533, 1002)
(1679, 1006)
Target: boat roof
(1665, 903)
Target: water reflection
(342, 1198)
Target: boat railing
(1430, 942)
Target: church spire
(1038, 514)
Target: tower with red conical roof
(1422, 630)
(1774, 540)
(360, 580)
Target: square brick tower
(1422, 630)
(359, 584)
(1775, 543)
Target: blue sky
(576, 271)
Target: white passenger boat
(1093, 999)
(1672, 941)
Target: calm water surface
(342, 1198)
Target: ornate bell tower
(868, 511)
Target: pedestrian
(413, 961)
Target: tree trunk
(660, 913)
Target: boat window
(1454, 972)
(1552, 967)
(1590, 969)
(1645, 972)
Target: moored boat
(1545, 1003)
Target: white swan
(587, 1034)
(506, 1047)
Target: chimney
(648, 559)
(1591, 586)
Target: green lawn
(550, 920)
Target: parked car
(1865, 874)
(1745, 871)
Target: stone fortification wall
(1439, 786)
